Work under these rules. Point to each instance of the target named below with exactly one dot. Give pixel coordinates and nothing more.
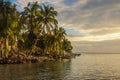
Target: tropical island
(31, 35)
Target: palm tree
(38, 26)
(4, 27)
(8, 27)
(38, 21)
(29, 21)
(67, 47)
(15, 28)
(59, 34)
(47, 19)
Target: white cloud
(89, 17)
(112, 36)
(23, 3)
(97, 21)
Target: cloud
(88, 37)
(90, 18)
(109, 46)
(92, 25)
(23, 3)
(105, 31)
(98, 18)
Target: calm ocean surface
(84, 67)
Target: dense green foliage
(34, 30)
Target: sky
(92, 25)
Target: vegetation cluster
(33, 32)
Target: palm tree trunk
(6, 47)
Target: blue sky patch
(69, 2)
(72, 32)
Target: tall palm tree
(15, 28)
(8, 27)
(4, 27)
(47, 22)
(29, 21)
(40, 20)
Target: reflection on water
(41, 71)
(85, 67)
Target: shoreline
(24, 59)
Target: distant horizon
(105, 46)
(95, 53)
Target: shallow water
(84, 67)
